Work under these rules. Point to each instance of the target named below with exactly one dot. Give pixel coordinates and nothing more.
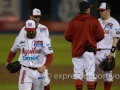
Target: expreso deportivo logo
(72, 76)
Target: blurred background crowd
(55, 13)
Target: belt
(100, 49)
(30, 67)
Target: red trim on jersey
(48, 60)
(11, 56)
(23, 76)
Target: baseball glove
(14, 67)
(88, 48)
(118, 45)
(108, 64)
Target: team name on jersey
(33, 51)
(109, 25)
(31, 58)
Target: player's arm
(13, 50)
(99, 32)
(49, 59)
(114, 44)
(113, 48)
(12, 53)
(116, 36)
(115, 40)
(47, 49)
(68, 33)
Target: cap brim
(37, 15)
(101, 9)
(30, 29)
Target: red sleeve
(48, 60)
(99, 32)
(68, 33)
(11, 56)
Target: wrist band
(113, 49)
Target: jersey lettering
(33, 51)
(30, 58)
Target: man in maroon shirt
(84, 31)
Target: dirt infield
(58, 75)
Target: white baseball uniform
(85, 62)
(44, 30)
(32, 54)
(112, 29)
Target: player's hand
(6, 63)
(42, 69)
(110, 55)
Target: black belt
(30, 67)
(100, 49)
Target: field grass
(53, 87)
(62, 49)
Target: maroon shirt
(83, 29)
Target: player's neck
(105, 19)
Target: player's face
(103, 14)
(36, 18)
(31, 34)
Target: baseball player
(107, 46)
(35, 56)
(83, 32)
(35, 15)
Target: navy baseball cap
(104, 6)
(85, 5)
